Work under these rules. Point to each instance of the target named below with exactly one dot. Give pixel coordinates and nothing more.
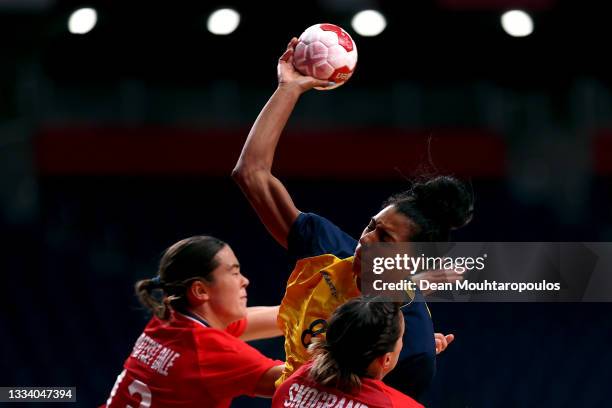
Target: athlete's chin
(242, 308)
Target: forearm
(265, 387)
(258, 151)
(261, 323)
(253, 171)
(268, 195)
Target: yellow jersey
(316, 287)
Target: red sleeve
(398, 399)
(228, 366)
(237, 328)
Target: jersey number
(317, 327)
(136, 387)
(140, 388)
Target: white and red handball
(326, 51)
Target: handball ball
(326, 51)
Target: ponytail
(144, 290)
(327, 371)
(182, 263)
(358, 332)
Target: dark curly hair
(436, 206)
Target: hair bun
(445, 199)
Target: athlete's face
(227, 292)
(389, 225)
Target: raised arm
(253, 172)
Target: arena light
(223, 21)
(82, 21)
(369, 23)
(517, 23)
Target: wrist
(291, 88)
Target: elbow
(238, 174)
(243, 175)
(246, 176)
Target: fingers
(289, 51)
(441, 275)
(438, 346)
(452, 276)
(322, 83)
(442, 341)
(292, 43)
(287, 55)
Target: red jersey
(301, 391)
(184, 363)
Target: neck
(213, 321)
(375, 371)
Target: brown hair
(182, 263)
(359, 331)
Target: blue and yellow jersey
(316, 287)
(322, 280)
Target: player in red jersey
(192, 353)
(364, 340)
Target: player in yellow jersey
(328, 263)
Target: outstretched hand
(289, 76)
(442, 341)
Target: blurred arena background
(116, 143)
